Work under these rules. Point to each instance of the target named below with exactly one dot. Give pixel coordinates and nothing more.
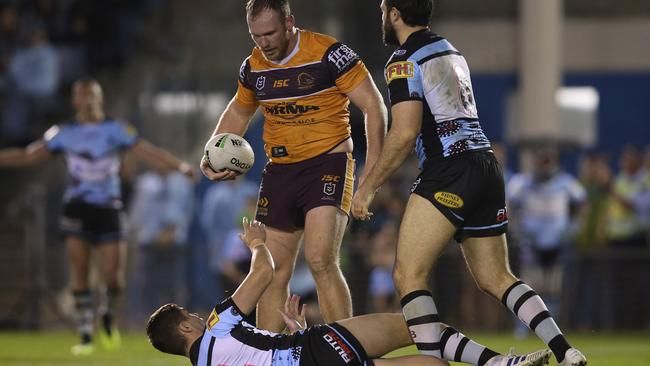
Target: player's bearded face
(390, 36)
(271, 33)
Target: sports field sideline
(41, 349)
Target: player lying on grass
(228, 339)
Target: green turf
(41, 349)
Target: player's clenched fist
(360, 203)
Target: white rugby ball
(229, 151)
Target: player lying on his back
(227, 339)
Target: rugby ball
(229, 151)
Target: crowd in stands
(47, 44)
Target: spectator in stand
(545, 203)
(160, 217)
(596, 178)
(8, 42)
(627, 190)
(222, 206)
(34, 79)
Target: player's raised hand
(254, 233)
(293, 315)
(361, 202)
(215, 176)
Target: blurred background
(562, 89)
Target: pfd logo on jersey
(449, 199)
(399, 70)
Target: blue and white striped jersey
(230, 340)
(428, 68)
(543, 207)
(92, 153)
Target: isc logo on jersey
(399, 70)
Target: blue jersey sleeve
(53, 138)
(224, 318)
(125, 134)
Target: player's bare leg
(79, 257)
(487, 259)
(378, 333)
(383, 333)
(109, 257)
(423, 235)
(284, 249)
(324, 229)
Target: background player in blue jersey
(460, 192)
(228, 339)
(93, 145)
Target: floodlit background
(558, 84)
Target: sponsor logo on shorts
(329, 188)
(415, 184)
(502, 215)
(213, 319)
(339, 346)
(399, 70)
(331, 178)
(449, 199)
(263, 206)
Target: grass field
(41, 349)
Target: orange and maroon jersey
(303, 99)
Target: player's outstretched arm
(407, 120)
(368, 99)
(234, 119)
(35, 153)
(262, 268)
(161, 159)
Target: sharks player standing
(460, 191)
(92, 145)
